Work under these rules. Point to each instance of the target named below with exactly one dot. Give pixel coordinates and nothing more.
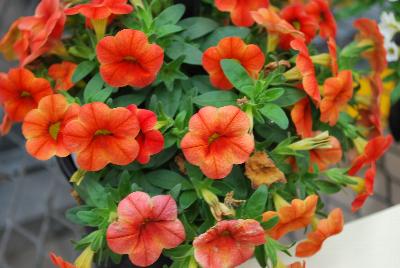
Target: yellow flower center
(25, 94)
(102, 132)
(54, 129)
(213, 137)
(130, 58)
(296, 25)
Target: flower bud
(321, 141)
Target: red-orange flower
(297, 265)
(228, 243)
(292, 216)
(302, 118)
(145, 227)
(326, 228)
(250, 56)
(30, 37)
(43, 127)
(332, 47)
(321, 12)
(296, 15)
(218, 139)
(241, 10)
(20, 92)
(128, 59)
(101, 9)
(62, 73)
(101, 135)
(306, 67)
(337, 92)
(364, 188)
(369, 34)
(59, 262)
(151, 141)
(327, 156)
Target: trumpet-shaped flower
(302, 118)
(43, 127)
(60, 262)
(228, 243)
(30, 37)
(241, 10)
(145, 227)
(332, 47)
(296, 15)
(62, 73)
(151, 141)
(337, 92)
(101, 135)
(325, 157)
(321, 12)
(369, 34)
(250, 56)
(326, 228)
(129, 59)
(292, 216)
(101, 9)
(20, 93)
(218, 139)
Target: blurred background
(34, 195)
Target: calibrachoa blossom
(62, 73)
(43, 127)
(321, 12)
(101, 135)
(151, 141)
(101, 9)
(332, 47)
(129, 59)
(305, 66)
(30, 37)
(292, 216)
(250, 56)
(326, 228)
(369, 34)
(218, 139)
(228, 243)
(240, 10)
(60, 262)
(145, 227)
(297, 16)
(20, 93)
(302, 118)
(337, 92)
(326, 157)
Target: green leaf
(170, 100)
(135, 98)
(202, 83)
(196, 27)
(328, 187)
(222, 32)
(96, 193)
(187, 199)
(174, 192)
(71, 214)
(93, 87)
(82, 70)
(276, 114)
(89, 218)
(272, 94)
(259, 253)
(291, 96)
(255, 206)
(170, 15)
(178, 48)
(168, 29)
(270, 223)
(179, 252)
(167, 179)
(216, 98)
(395, 96)
(238, 76)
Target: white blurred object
(389, 27)
(392, 51)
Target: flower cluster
(193, 138)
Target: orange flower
(337, 92)
(59, 262)
(250, 56)
(319, 9)
(228, 243)
(240, 10)
(326, 157)
(101, 135)
(145, 227)
(326, 228)
(101, 9)
(364, 188)
(30, 37)
(369, 34)
(305, 65)
(332, 47)
(218, 139)
(292, 216)
(297, 265)
(128, 59)
(296, 15)
(43, 127)
(20, 93)
(302, 118)
(151, 141)
(62, 74)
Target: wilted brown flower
(260, 169)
